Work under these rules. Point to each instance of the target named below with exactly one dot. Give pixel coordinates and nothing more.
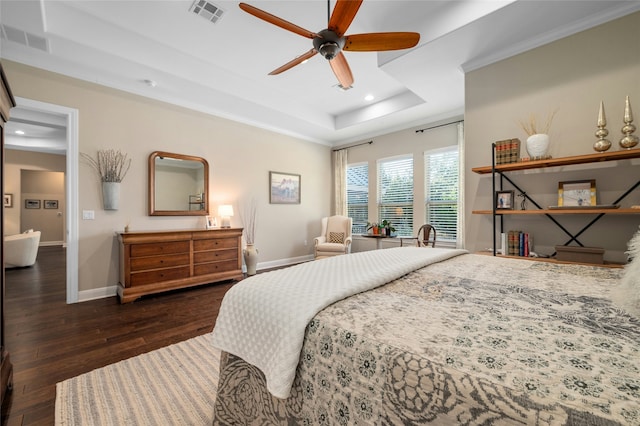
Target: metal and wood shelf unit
(501, 170)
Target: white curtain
(340, 181)
(461, 197)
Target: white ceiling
(222, 68)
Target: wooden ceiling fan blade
(342, 16)
(370, 42)
(294, 62)
(341, 69)
(272, 19)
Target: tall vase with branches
(250, 253)
(112, 166)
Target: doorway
(32, 110)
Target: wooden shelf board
(559, 211)
(563, 161)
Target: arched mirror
(178, 185)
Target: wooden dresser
(157, 261)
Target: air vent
(207, 10)
(24, 38)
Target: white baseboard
(51, 243)
(284, 262)
(97, 293)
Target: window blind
(442, 191)
(358, 196)
(395, 193)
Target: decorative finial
(602, 144)
(629, 140)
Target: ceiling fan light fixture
(329, 50)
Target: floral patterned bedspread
(472, 340)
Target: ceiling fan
(331, 41)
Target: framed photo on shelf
(31, 204)
(284, 188)
(577, 193)
(50, 204)
(212, 222)
(8, 200)
(504, 200)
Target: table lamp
(225, 211)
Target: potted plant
(374, 227)
(387, 225)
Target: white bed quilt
(262, 319)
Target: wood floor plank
(50, 341)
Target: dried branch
(248, 217)
(111, 165)
(531, 127)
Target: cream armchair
(335, 238)
(21, 249)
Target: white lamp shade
(225, 210)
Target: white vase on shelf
(538, 146)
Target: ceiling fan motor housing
(328, 44)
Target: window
(358, 196)
(441, 186)
(395, 193)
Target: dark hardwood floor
(50, 341)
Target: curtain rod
(351, 146)
(439, 125)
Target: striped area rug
(175, 385)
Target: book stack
(519, 243)
(507, 151)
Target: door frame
(71, 187)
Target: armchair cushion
(336, 237)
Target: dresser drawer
(155, 262)
(217, 243)
(154, 249)
(213, 267)
(159, 275)
(215, 255)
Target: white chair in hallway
(21, 249)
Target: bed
(460, 339)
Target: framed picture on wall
(8, 200)
(284, 188)
(31, 204)
(50, 204)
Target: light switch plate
(88, 215)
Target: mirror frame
(152, 185)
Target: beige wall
(48, 189)
(571, 75)
(15, 163)
(240, 158)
